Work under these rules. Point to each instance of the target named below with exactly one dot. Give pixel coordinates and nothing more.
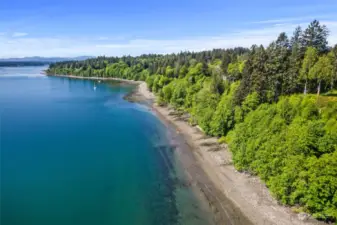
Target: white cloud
(273, 21)
(19, 34)
(103, 38)
(114, 38)
(116, 46)
(296, 19)
(29, 46)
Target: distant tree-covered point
(18, 64)
(275, 106)
(37, 61)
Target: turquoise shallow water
(73, 155)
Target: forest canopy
(275, 105)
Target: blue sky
(117, 27)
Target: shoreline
(96, 78)
(235, 198)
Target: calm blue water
(73, 155)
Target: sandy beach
(236, 198)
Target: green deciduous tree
(322, 71)
(309, 61)
(223, 120)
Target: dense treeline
(260, 100)
(291, 145)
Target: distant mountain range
(45, 59)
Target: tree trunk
(331, 84)
(319, 88)
(305, 87)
